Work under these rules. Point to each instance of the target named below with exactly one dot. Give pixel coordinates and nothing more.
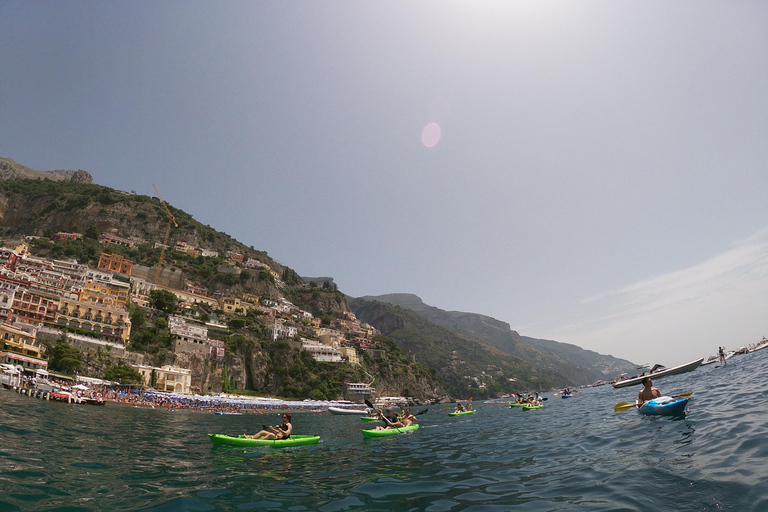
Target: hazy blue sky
(592, 172)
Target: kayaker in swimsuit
(280, 432)
(408, 419)
(648, 392)
(459, 407)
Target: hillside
(577, 365)
(37, 206)
(12, 170)
(468, 354)
(467, 367)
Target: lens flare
(430, 135)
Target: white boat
(659, 371)
(343, 410)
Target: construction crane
(171, 220)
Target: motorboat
(657, 372)
(344, 410)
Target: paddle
(369, 404)
(623, 406)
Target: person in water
(648, 392)
(280, 432)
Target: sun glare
(430, 135)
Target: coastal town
(89, 308)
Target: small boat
(228, 413)
(566, 396)
(342, 410)
(516, 405)
(663, 406)
(389, 431)
(659, 371)
(369, 418)
(275, 443)
(459, 413)
(529, 407)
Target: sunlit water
(574, 454)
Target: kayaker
(408, 419)
(648, 392)
(459, 407)
(280, 432)
(390, 420)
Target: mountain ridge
(579, 365)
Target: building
(321, 352)
(189, 336)
(166, 378)
(231, 305)
(279, 331)
(106, 321)
(358, 391)
(18, 346)
(115, 263)
(215, 348)
(66, 237)
(351, 354)
(107, 239)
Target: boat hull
(460, 413)
(341, 410)
(683, 368)
(664, 406)
(530, 407)
(389, 431)
(275, 443)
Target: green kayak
(529, 407)
(461, 412)
(389, 431)
(516, 405)
(277, 443)
(368, 418)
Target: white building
(322, 352)
(278, 331)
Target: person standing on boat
(648, 392)
(721, 352)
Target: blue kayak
(566, 396)
(664, 406)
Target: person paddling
(408, 419)
(281, 432)
(648, 392)
(390, 420)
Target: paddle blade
(623, 406)
(683, 394)
(369, 404)
(422, 412)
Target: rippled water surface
(574, 454)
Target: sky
(590, 172)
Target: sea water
(573, 454)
